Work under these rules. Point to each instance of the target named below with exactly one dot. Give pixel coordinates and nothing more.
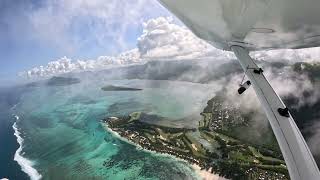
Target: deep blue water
(8, 143)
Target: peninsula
(211, 146)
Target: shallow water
(63, 137)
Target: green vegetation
(134, 116)
(311, 69)
(223, 126)
(229, 153)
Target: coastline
(24, 163)
(203, 174)
(206, 175)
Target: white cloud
(66, 65)
(291, 55)
(313, 141)
(286, 83)
(65, 24)
(162, 39)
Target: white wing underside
(245, 25)
(254, 24)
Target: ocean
(8, 142)
(54, 132)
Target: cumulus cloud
(288, 84)
(66, 65)
(162, 39)
(290, 55)
(285, 81)
(67, 24)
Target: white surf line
(25, 164)
(203, 174)
(14, 106)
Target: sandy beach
(203, 174)
(206, 175)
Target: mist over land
(296, 82)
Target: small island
(62, 81)
(119, 88)
(209, 146)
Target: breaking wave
(26, 164)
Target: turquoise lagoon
(64, 139)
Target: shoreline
(203, 174)
(206, 175)
(25, 164)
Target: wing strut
(299, 160)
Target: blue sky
(34, 32)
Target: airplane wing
(254, 24)
(248, 25)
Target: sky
(42, 38)
(35, 32)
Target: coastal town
(206, 146)
(217, 116)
